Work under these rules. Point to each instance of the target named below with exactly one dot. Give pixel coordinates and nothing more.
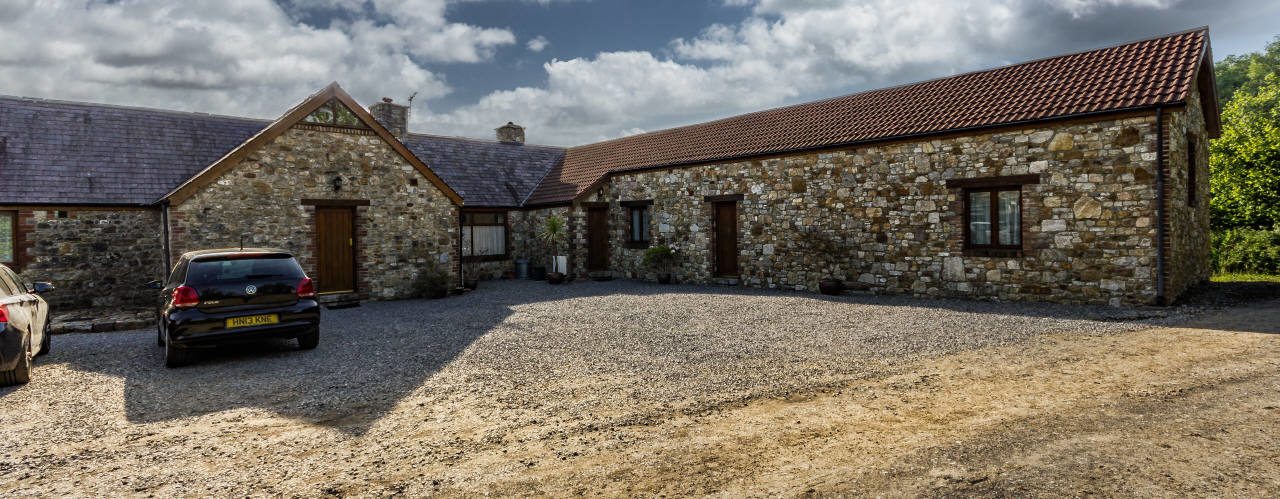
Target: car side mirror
(154, 285)
(42, 287)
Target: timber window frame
(639, 223)
(484, 223)
(1192, 168)
(981, 228)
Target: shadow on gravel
(372, 357)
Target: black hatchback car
(223, 296)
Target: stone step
(726, 281)
(339, 301)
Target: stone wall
(96, 257)
(407, 223)
(1088, 225)
(525, 227)
(1188, 239)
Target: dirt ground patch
(1189, 411)
(540, 401)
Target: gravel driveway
(408, 389)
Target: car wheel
(46, 344)
(310, 340)
(174, 356)
(21, 373)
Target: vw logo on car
(250, 290)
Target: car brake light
(185, 296)
(4, 316)
(306, 288)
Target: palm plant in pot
(554, 233)
(661, 259)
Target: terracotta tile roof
(1145, 73)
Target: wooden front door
(335, 249)
(598, 239)
(726, 242)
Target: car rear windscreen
(220, 271)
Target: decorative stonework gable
(406, 223)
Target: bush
(1249, 251)
(433, 281)
(659, 258)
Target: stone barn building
(1080, 178)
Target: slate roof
(57, 152)
(1146, 73)
(485, 173)
(79, 153)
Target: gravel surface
(406, 388)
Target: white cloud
(785, 51)
(243, 57)
(537, 44)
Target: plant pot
(555, 277)
(559, 263)
(664, 278)
(471, 283)
(831, 286)
(537, 273)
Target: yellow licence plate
(253, 320)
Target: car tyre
(21, 373)
(46, 344)
(309, 341)
(174, 356)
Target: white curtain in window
(980, 218)
(6, 237)
(1010, 218)
(480, 240)
(639, 224)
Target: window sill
(485, 258)
(994, 252)
(636, 245)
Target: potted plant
(432, 281)
(661, 259)
(554, 233)
(471, 275)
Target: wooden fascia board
(291, 118)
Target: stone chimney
(510, 133)
(392, 116)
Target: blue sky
(571, 71)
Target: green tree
(1245, 160)
(1246, 71)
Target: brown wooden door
(726, 224)
(335, 249)
(598, 239)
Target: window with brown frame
(1191, 170)
(993, 218)
(484, 235)
(638, 223)
(8, 237)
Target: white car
(24, 326)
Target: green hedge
(1247, 251)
